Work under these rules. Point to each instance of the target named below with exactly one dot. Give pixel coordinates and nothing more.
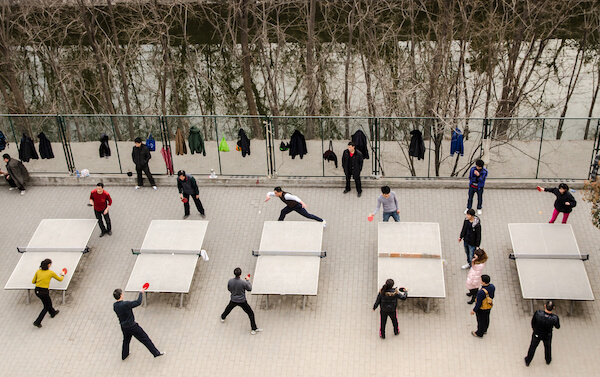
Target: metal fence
(524, 148)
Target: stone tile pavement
(336, 335)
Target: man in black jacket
(352, 162)
(542, 323)
(129, 326)
(471, 233)
(16, 173)
(141, 155)
(187, 186)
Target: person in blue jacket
(477, 177)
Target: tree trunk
(311, 86)
(246, 71)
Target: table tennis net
(164, 251)
(52, 249)
(307, 253)
(582, 257)
(409, 255)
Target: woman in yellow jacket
(41, 279)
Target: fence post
(112, 123)
(218, 141)
(429, 153)
(595, 149)
(60, 122)
(12, 128)
(269, 146)
(540, 152)
(322, 146)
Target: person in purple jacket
(477, 177)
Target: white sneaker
(466, 267)
(466, 211)
(253, 332)
(137, 188)
(222, 320)
(23, 192)
(479, 212)
(154, 187)
(11, 188)
(324, 224)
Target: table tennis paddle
(145, 286)
(539, 188)
(184, 200)
(370, 218)
(64, 271)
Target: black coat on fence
(243, 143)
(104, 147)
(297, 145)
(27, 151)
(360, 140)
(417, 146)
(45, 146)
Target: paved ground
(336, 335)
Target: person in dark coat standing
(542, 323)
(477, 177)
(187, 186)
(141, 155)
(27, 151)
(104, 147)
(471, 234)
(129, 327)
(243, 143)
(238, 288)
(45, 146)
(387, 299)
(352, 162)
(565, 202)
(297, 145)
(417, 146)
(481, 310)
(16, 174)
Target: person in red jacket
(101, 200)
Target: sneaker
(472, 301)
(154, 187)
(222, 320)
(136, 187)
(324, 224)
(185, 216)
(102, 234)
(253, 332)
(465, 267)
(109, 232)
(527, 362)
(548, 362)
(203, 215)
(479, 212)
(382, 336)
(23, 192)
(475, 334)
(466, 211)
(160, 354)
(359, 194)
(55, 314)
(346, 191)
(39, 325)
(11, 188)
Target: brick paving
(337, 332)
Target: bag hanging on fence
(223, 147)
(329, 155)
(151, 143)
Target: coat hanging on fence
(196, 141)
(104, 147)
(3, 143)
(243, 143)
(297, 145)
(180, 148)
(417, 146)
(166, 154)
(456, 144)
(45, 147)
(360, 140)
(27, 151)
(329, 155)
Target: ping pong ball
(172, 253)
(540, 212)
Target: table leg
(532, 306)
(571, 308)
(64, 297)
(303, 302)
(144, 302)
(428, 302)
(28, 299)
(267, 302)
(181, 301)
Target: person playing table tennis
(187, 186)
(390, 205)
(565, 202)
(293, 203)
(387, 299)
(41, 279)
(100, 199)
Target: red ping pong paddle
(539, 188)
(64, 271)
(184, 200)
(145, 286)
(370, 218)
(248, 276)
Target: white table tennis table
(549, 263)
(63, 241)
(411, 255)
(288, 259)
(168, 257)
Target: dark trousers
(472, 192)
(186, 205)
(139, 333)
(483, 321)
(44, 295)
(146, 170)
(244, 305)
(99, 215)
(12, 183)
(384, 316)
(356, 177)
(298, 208)
(535, 341)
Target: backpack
(283, 146)
(487, 302)
(151, 143)
(329, 155)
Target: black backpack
(283, 146)
(329, 155)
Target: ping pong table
(168, 257)
(288, 259)
(549, 263)
(411, 254)
(63, 241)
